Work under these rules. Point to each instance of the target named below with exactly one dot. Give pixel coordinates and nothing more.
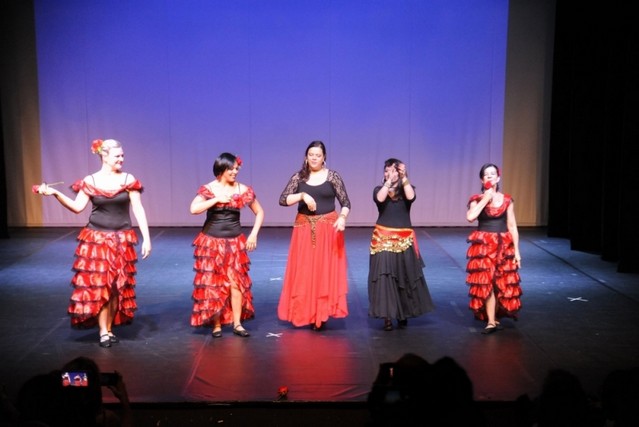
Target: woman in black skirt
(396, 285)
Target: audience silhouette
(68, 397)
(411, 392)
(620, 398)
(408, 392)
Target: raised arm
(76, 205)
(476, 206)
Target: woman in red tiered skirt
(104, 280)
(493, 255)
(222, 287)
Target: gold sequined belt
(393, 240)
(302, 220)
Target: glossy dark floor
(578, 314)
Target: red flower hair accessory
(238, 160)
(96, 146)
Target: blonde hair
(107, 144)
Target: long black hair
(305, 171)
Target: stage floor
(578, 314)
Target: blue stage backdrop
(180, 81)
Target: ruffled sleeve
(77, 186)
(91, 190)
(247, 197)
(134, 186)
(473, 198)
(205, 192)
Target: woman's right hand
(45, 190)
(488, 194)
(223, 199)
(310, 202)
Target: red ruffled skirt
(220, 262)
(315, 283)
(104, 266)
(492, 267)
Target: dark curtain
(4, 228)
(594, 142)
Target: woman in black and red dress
(104, 280)
(493, 255)
(315, 282)
(396, 285)
(222, 286)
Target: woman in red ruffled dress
(104, 280)
(222, 286)
(493, 255)
(315, 282)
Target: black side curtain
(594, 141)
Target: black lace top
(324, 194)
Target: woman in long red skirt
(315, 282)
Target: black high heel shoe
(240, 332)
(388, 324)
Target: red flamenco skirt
(492, 267)
(220, 263)
(104, 267)
(315, 283)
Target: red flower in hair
(96, 146)
(238, 160)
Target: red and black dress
(105, 257)
(491, 263)
(221, 260)
(315, 282)
(396, 285)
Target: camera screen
(75, 379)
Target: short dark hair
(223, 162)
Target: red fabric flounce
(238, 200)
(104, 266)
(90, 190)
(491, 267)
(219, 264)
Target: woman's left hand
(340, 224)
(251, 243)
(518, 260)
(146, 249)
(401, 171)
